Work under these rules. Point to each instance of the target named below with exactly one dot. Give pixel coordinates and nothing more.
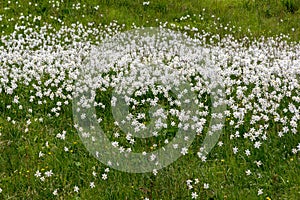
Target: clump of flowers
(43, 71)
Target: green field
(31, 149)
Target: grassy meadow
(42, 156)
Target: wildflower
(94, 173)
(76, 188)
(258, 163)
(257, 144)
(146, 3)
(48, 173)
(104, 176)
(203, 158)
(259, 175)
(235, 150)
(248, 172)
(220, 143)
(37, 173)
(152, 157)
(247, 152)
(184, 151)
(189, 184)
(194, 195)
(92, 184)
(55, 193)
(206, 185)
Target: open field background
(29, 142)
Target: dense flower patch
(42, 71)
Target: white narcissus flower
(55, 192)
(194, 195)
(206, 185)
(104, 176)
(247, 152)
(235, 150)
(38, 174)
(92, 184)
(248, 172)
(76, 189)
(48, 173)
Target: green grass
(224, 172)
(263, 17)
